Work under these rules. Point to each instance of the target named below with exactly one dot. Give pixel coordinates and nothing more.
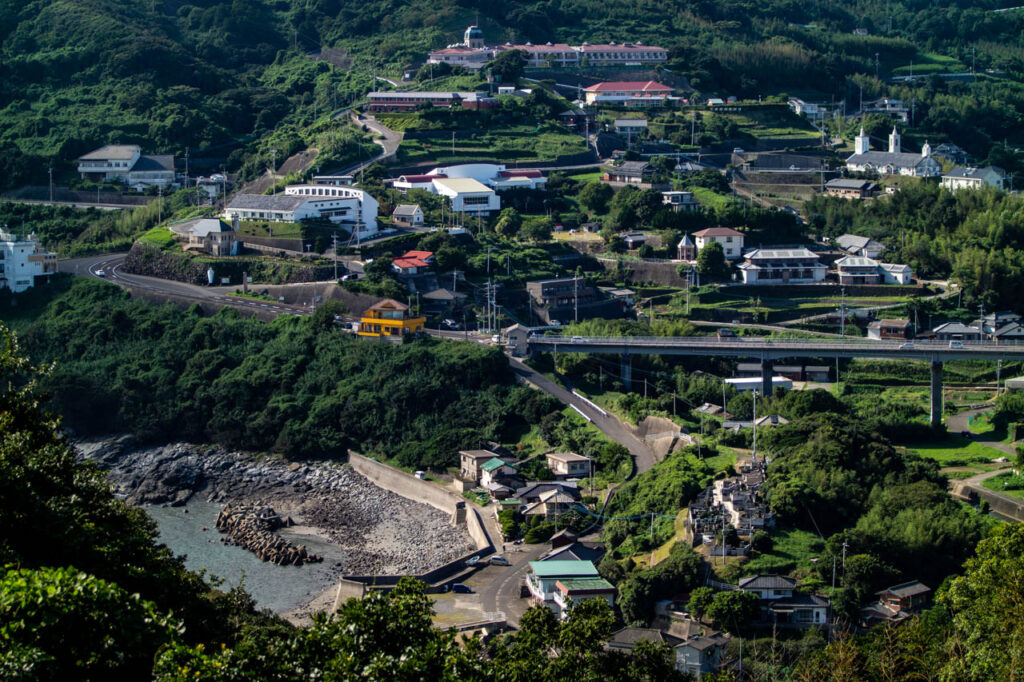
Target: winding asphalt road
(110, 266)
(608, 423)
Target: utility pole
(833, 594)
(842, 314)
(50, 171)
(186, 167)
(487, 306)
(754, 447)
(723, 537)
(335, 257)
(273, 170)
(576, 299)
(652, 539)
(159, 204)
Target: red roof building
(718, 232)
(412, 262)
(425, 256)
(730, 239)
(638, 93)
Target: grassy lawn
(959, 474)
(661, 553)
(530, 443)
(160, 237)
(955, 447)
(932, 63)
(723, 461)
(509, 143)
(587, 177)
(982, 425)
(792, 549)
(998, 483)
(575, 236)
(281, 230)
(710, 198)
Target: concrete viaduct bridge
(766, 350)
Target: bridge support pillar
(936, 394)
(766, 378)
(627, 372)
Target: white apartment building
(468, 195)
(974, 178)
(344, 205)
(126, 163)
(730, 239)
(23, 262)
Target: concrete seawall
(424, 492)
(999, 504)
(403, 484)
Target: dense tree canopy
(292, 386)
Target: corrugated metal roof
(563, 569)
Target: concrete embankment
(461, 513)
(1004, 506)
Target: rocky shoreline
(380, 532)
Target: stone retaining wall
(646, 271)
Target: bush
(539, 533)
(762, 542)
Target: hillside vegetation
(296, 386)
(229, 82)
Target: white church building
(893, 162)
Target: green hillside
(230, 81)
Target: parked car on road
(956, 344)
(101, 273)
(472, 561)
(462, 588)
(499, 560)
(578, 339)
(907, 346)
